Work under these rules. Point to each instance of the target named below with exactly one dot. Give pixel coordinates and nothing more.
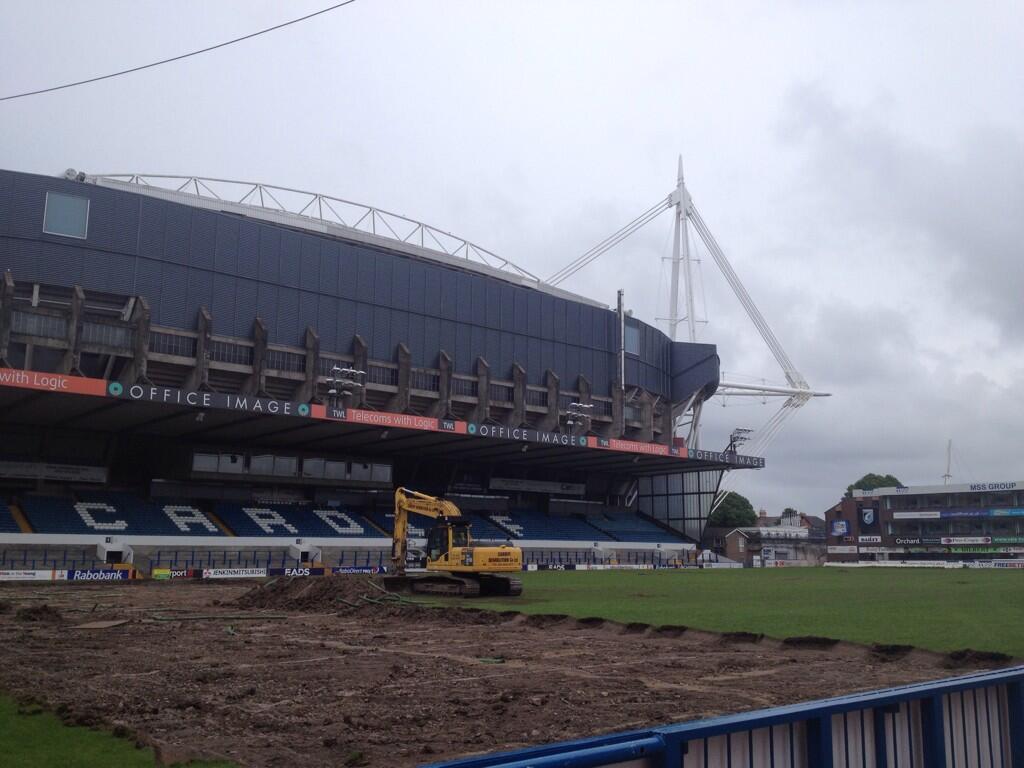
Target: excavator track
(455, 585)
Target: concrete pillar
(199, 378)
(399, 402)
(618, 425)
(517, 417)
(135, 370)
(306, 391)
(360, 357)
(550, 421)
(74, 351)
(6, 316)
(668, 424)
(646, 404)
(482, 411)
(443, 407)
(256, 384)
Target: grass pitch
(941, 610)
(33, 738)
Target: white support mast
(681, 257)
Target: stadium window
(361, 471)
(204, 462)
(336, 470)
(66, 215)
(313, 468)
(261, 465)
(381, 473)
(286, 466)
(632, 339)
(231, 464)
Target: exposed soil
(331, 671)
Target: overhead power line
(178, 58)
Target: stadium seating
(533, 524)
(302, 520)
(625, 526)
(115, 514)
(7, 522)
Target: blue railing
(962, 722)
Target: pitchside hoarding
(79, 385)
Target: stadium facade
(979, 523)
(166, 346)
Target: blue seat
(534, 524)
(7, 522)
(626, 526)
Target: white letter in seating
(85, 510)
(349, 526)
(183, 517)
(266, 519)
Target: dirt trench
(333, 672)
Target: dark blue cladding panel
(492, 305)
(226, 253)
(364, 322)
(246, 308)
(152, 221)
(417, 289)
(327, 324)
(364, 276)
(286, 330)
(382, 271)
(149, 282)
(507, 309)
(270, 255)
(200, 292)
(381, 334)
(173, 292)
(449, 298)
(330, 258)
(222, 305)
(266, 304)
(177, 233)
(348, 272)
(533, 316)
(248, 249)
(464, 358)
(477, 343)
(181, 258)
(448, 340)
(308, 302)
(346, 325)
(291, 258)
(400, 283)
(309, 274)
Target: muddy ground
(332, 672)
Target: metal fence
(974, 721)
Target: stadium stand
(533, 524)
(7, 521)
(625, 526)
(115, 513)
(306, 520)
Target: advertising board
(234, 573)
(32, 575)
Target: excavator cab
(445, 536)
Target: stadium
(213, 390)
(189, 382)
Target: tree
(735, 511)
(871, 481)
(789, 511)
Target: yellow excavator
(454, 565)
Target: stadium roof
(231, 428)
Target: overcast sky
(861, 163)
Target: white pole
(673, 302)
(681, 256)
